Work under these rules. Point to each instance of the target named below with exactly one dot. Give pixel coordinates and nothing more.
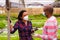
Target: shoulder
(18, 21)
(52, 19)
(29, 21)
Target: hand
(37, 35)
(11, 27)
(36, 29)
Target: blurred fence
(34, 11)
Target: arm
(30, 27)
(33, 29)
(13, 28)
(49, 31)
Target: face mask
(25, 18)
(43, 14)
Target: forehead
(25, 13)
(45, 8)
(48, 7)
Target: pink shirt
(50, 29)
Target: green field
(37, 21)
(14, 36)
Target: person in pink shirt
(50, 26)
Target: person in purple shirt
(23, 26)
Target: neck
(49, 16)
(24, 21)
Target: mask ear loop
(44, 14)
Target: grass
(3, 36)
(13, 37)
(37, 21)
(2, 24)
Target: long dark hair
(20, 14)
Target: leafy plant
(2, 25)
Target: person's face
(46, 12)
(25, 15)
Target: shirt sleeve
(31, 27)
(50, 30)
(15, 27)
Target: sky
(2, 2)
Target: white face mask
(25, 18)
(43, 14)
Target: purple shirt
(23, 30)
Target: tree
(8, 15)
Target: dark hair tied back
(20, 14)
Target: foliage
(2, 25)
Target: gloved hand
(34, 29)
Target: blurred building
(56, 4)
